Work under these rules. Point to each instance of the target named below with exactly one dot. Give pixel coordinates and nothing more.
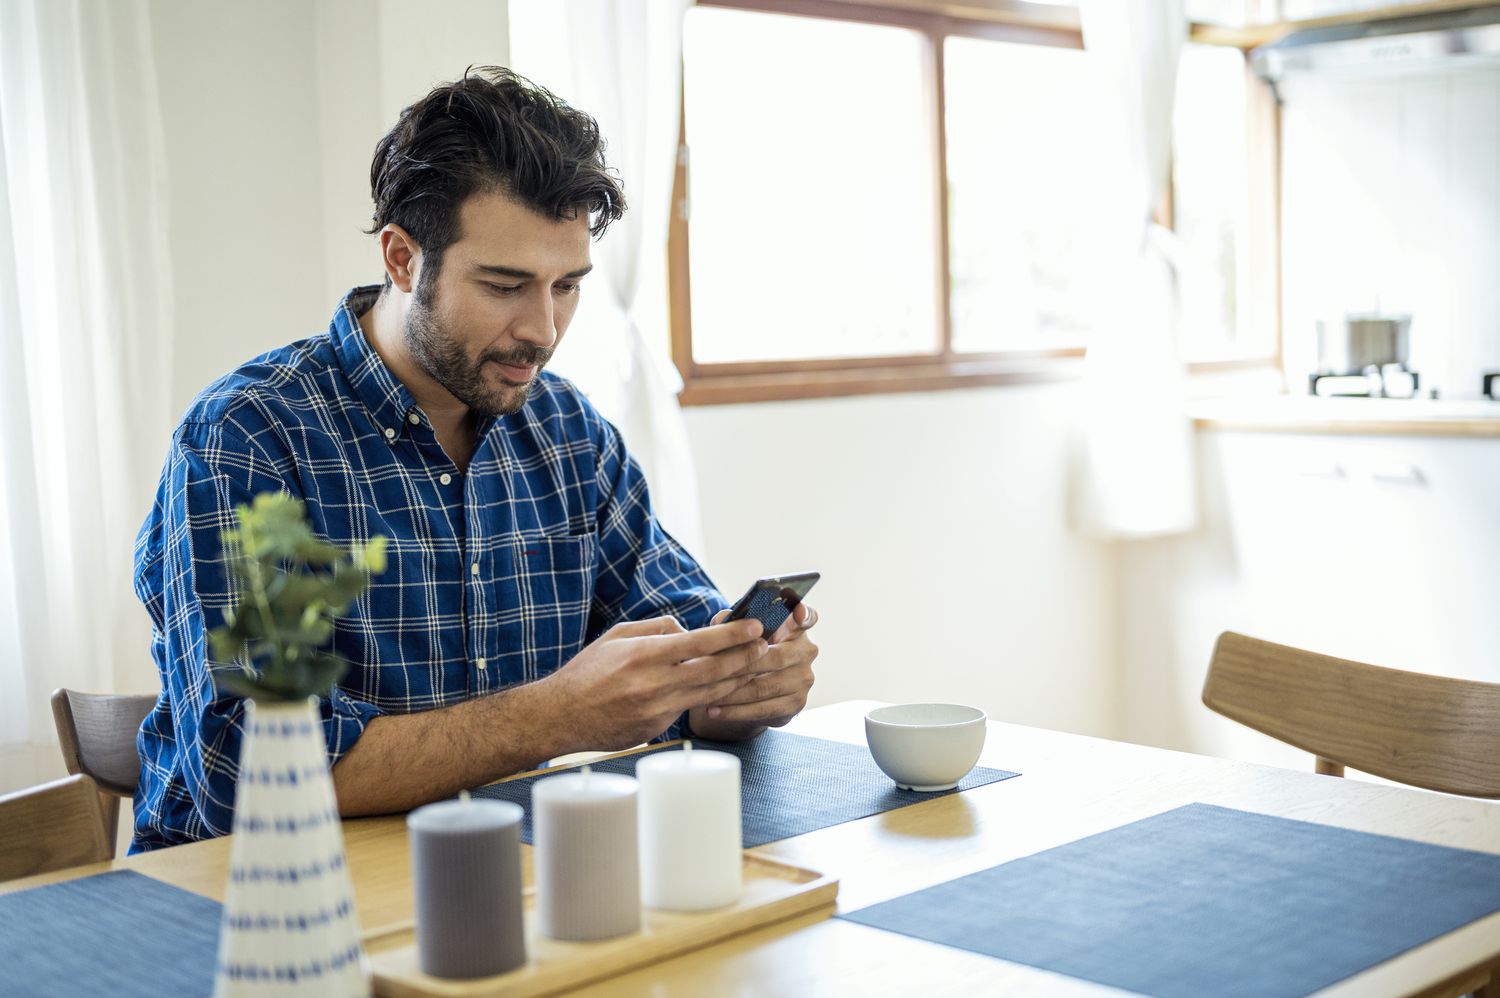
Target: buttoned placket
(436, 458)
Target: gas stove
(1390, 381)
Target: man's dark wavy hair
(491, 131)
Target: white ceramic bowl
(925, 746)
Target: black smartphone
(771, 601)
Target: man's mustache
(521, 357)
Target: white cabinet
(1384, 549)
(1378, 548)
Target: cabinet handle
(1334, 471)
(1398, 474)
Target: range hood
(1398, 42)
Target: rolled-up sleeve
(212, 468)
(643, 570)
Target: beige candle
(588, 883)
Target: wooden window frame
(759, 381)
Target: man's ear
(401, 256)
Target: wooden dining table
(1071, 786)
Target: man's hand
(626, 687)
(638, 677)
(771, 697)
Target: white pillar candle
(690, 829)
(466, 884)
(588, 883)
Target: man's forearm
(403, 760)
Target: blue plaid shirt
(495, 577)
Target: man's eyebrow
(500, 271)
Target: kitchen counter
(1370, 417)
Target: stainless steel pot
(1364, 341)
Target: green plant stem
(268, 621)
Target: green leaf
(373, 554)
(325, 670)
(246, 684)
(225, 644)
(290, 585)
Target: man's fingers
(733, 663)
(646, 628)
(724, 689)
(708, 640)
(796, 650)
(802, 618)
(774, 712)
(719, 617)
(765, 687)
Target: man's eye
(567, 288)
(504, 289)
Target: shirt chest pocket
(545, 596)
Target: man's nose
(538, 324)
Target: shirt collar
(387, 399)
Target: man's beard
(443, 358)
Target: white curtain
(1134, 474)
(621, 61)
(84, 354)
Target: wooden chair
(97, 735)
(1426, 731)
(52, 827)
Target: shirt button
(445, 478)
(479, 663)
(474, 568)
(390, 434)
(413, 419)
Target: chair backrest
(1433, 732)
(97, 733)
(52, 827)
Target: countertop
(1372, 417)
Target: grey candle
(588, 883)
(466, 879)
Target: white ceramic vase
(289, 921)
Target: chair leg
(111, 820)
(1329, 768)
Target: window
(1219, 213)
(810, 188)
(1020, 123)
(883, 198)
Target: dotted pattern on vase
(290, 927)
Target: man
(532, 605)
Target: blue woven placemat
(117, 934)
(1205, 900)
(789, 784)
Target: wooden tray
(772, 892)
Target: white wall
(375, 58)
(1391, 200)
(938, 522)
(271, 113)
(243, 151)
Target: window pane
(1211, 200)
(1020, 125)
(811, 184)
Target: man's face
(503, 297)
